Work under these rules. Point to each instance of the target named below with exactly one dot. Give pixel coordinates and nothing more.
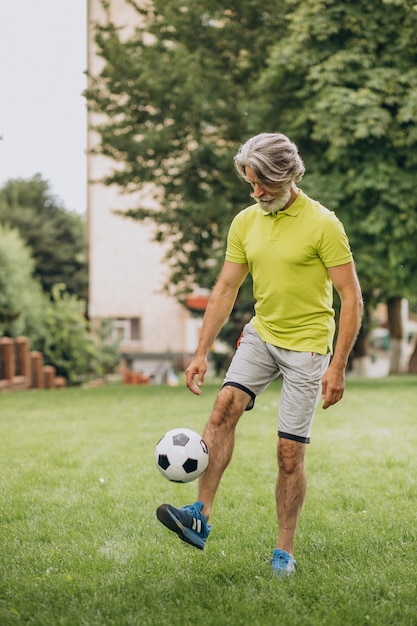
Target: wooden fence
(22, 369)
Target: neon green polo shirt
(288, 255)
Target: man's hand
(333, 385)
(196, 369)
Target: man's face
(269, 199)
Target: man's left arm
(346, 283)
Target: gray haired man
(296, 250)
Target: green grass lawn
(80, 543)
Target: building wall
(127, 271)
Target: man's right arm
(219, 307)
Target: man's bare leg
(219, 435)
(190, 522)
(290, 491)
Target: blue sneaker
(283, 564)
(188, 522)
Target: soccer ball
(181, 455)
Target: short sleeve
(334, 248)
(234, 249)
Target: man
(295, 249)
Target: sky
(43, 58)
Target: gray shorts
(256, 364)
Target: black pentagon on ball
(181, 439)
(190, 465)
(163, 461)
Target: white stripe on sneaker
(196, 525)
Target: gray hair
(273, 158)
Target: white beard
(272, 204)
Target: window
(127, 328)
(135, 334)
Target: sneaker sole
(171, 522)
(282, 573)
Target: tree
(20, 293)
(54, 319)
(349, 72)
(55, 235)
(172, 101)
(195, 79)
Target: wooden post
(7, 356)
(36, 361)
(48, 377)
(23, 356)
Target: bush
(108, 356)
(64, 338)
(55, 324)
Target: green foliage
(108, 355)
(55, 235)
(20, 293)
(195, 79)
(42, 245)
(344, 81)
(175, 98)
(81, 544)
(65, 340)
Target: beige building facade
(127, 270)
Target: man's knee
(229, 406)
(290, 455)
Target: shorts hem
(293, 437)
(246, 390)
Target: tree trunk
(396, 332)
(359, 360)
(412, 364)
(361, 347)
